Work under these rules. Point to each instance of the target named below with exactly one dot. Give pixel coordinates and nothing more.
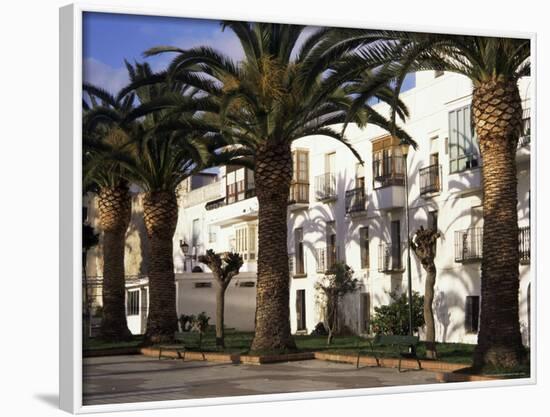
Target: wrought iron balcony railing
(430, 179)
(469, 245)
(325, 186)
(388, 171)
(299, 193)
(356, 200)
(390, 257)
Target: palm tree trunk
(160, 213)
(431, 352)
(220, 313)
(272, 176)
(114, 216)
(497, 116)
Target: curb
(427, 365)
(192, 356)
(263, 359)
(458, 377)
(229, 358)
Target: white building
(341, 210)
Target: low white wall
(240, 302)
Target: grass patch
(98, 344)
(237, 342)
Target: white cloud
(103, 75)
(225, 42)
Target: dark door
(301, 309)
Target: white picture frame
(70, 355)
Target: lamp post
(405, 151)
(185, 249)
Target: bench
(178, 346)
(405, 347)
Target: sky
(109, 38)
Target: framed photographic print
(257, 211)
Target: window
(132, 303)
(464, 152)
(331, 244)
(396, 244)
(432, 219)
(360, 176)
(299, 188)
(364, 245)
(195, 236)
(330, 162)
(203, 285)
(245, 242)
(471, 322)
(212, 233)
(301, 309)
(299, 251)
(239, 184)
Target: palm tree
(170, 143)
(108, 179)
(494, 65)
(265, 106)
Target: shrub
(319, 330)
(394, 317)
(186, 321)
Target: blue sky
(110, 38)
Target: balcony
(430, 180)
(356, 201)
(202, 194)
(326, 258)
(524, 245)
(388, 171)
(298, 197)
(469, 245)
(388, 181)
(325, 187)
(390, 257)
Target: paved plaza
(135, 378)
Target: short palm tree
(265, 106)
(494, 65)
(108, 179)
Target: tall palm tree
(108, 179)
(265, 106)
(171, 143)
(494, 65)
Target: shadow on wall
(137, 244)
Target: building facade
(341, 210)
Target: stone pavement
(133, 378)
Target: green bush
(394, 317)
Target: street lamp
(185, 249)
(405, 151)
